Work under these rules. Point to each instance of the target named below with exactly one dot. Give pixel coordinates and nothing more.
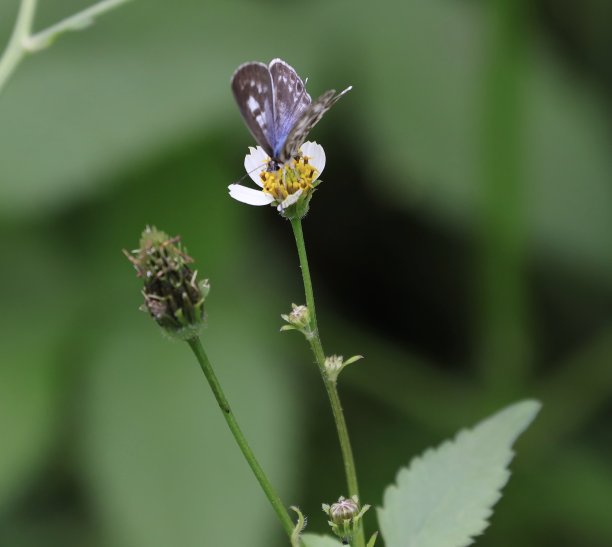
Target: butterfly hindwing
(290, 101)
(253, 90)
(276, 107)
(309, 118)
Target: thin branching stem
(330, 385)
(75, 22)
(22, 40)
(15, 51)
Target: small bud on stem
(345, 516)
(334, 364)
(298, 319)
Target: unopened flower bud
(299, 316)
(334, 364)
(298, 319)
(343, 509)
(345, 517)
(172, 294)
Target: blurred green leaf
(575, 472)
(421, 124)
(455, 405)
(313, 540)
(162, 465)
(568, 494)
(445, 497)
(37, 309)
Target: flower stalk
(174, 298)
(196, 346)
(329, 381)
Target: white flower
(284, 186)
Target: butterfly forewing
(309, 118)
(253, 91)
(290, 101)
(276, 107)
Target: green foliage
(132, 122)
(313, 540)
(564, 140)
(445, 497)
(34, 332)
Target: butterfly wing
(308, 119)
(253, 91)
(290, 101)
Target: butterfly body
(276, 107)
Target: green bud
(300, 207)
(298, 319)
(345, 517)
(173, 296)
(334, 364)
(343, 509)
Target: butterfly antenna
(345, 91)
(247, 174)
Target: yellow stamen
(294, 175)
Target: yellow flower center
(294, 175)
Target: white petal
(289, 200)
(255, 163)
(316, 154)
(249, 195)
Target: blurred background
(461, 241)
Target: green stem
(506, 352)
(275, 501)
(15, 49)
(330, 386)
(75, 22)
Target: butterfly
(276, 107)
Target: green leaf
(38, 302)
(313, 540)
(372, 540)
(299, 526)
(431, 118)
(445, 497)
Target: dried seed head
(172, 294)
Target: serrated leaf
(445, 497)
(313, 540)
